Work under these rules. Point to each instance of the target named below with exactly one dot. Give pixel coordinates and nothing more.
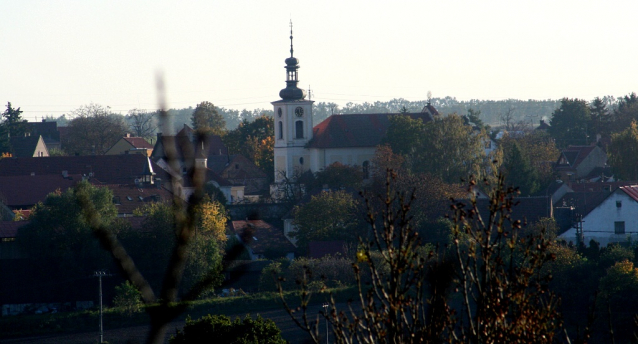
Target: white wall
(599, 223)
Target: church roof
(355, 130)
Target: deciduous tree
(207, 119)
(331, 215)
(93, 130)
(254, 140)
(142, 124)
(452, 150)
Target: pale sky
(58, 55)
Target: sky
(56, 56)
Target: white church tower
(293, 124)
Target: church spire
(291, 38)
(292, 92)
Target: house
(577, 162)
(29, 146)
(300, 146)
(612, 220)
(109, 169)
(543, 126)
(262, 239)
(129, 197)
(240, 171)
(48, 131)
(131, 145)
(191, 154)
(186, 146)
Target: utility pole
(325, 310)
(99, 275)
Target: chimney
(128, 135)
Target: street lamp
(325, 314)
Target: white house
(615, 219)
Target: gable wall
(597, 158)
(119, 148)
(599, 223)
(41, 149)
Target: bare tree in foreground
(165, 305)
(487, 288)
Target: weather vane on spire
(290, 37)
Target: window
(618, 204)
(619, 227)
(299, 130)
(281, 130)
(366, 169)
(300, 161)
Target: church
(348, 139)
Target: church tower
(293, 124)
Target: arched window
(299, 130)
(366, 169)
(281, 130)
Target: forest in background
(491, 111)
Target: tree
(11, 125)
(451, 150)
(221, 329)
(496, 276)
(569, 123)
(142, 124)
(405, 136)
(622, 152)
(331, 215)
(600, 117)
(539, 149)
(473, 117)
(520, 173)
(625, 113)
(93, 130)
(254, 140)
(206, 119)
(204, 253)
(13, 121)
(338, 176)
(57, 230)
(128, 298)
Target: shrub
(221, 329)
(128, 298)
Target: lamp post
(325, 314)
(99, 275)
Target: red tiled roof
(632, 191)
(26, 191)
(110, 169)
(138, 142)
(261, 236)
(355, 130)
